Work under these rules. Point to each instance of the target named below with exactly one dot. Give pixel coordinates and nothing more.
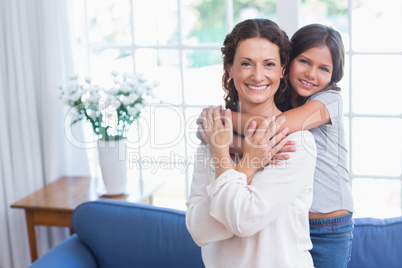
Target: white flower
(116, 103)
(112, 91)
(138, 106)
(125, 88)
(94, 97)
(130, 99)
(76, 96)
(132, 111)
(92, 114)
(98, 105)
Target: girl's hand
(278, 157)
(260, 145)
(216, 129)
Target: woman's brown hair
(252, 28)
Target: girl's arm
(310, 115)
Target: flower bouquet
(110, 111)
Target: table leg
(31, 234)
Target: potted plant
(110, 112)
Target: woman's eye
(270, 64)
(245, 64)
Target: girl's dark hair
(252, 28)
(311, 36)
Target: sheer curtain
(35, 56)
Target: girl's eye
(304, 62)
(324, 69)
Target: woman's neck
(263, 109)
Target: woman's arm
(203, 228)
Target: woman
(246, 214)
(312, 102)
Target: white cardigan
(264, 224)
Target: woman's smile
(257, 87)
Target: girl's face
(256, 71)
(311, 71)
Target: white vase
(113, 165)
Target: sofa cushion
(122, 234)
(377, 243)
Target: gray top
(332, 189)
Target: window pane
(203, 21)
(344, 85)
(164, 126)
(377, 146)
(109, 22)
(173, 192)
(191, 130)
(103, 62)
(155, 22)
(162, 66)
(331, 13)
(377, 25)
(254, 9)
(203, 85)
(375, 90)
(379, 198)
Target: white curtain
(35, 57)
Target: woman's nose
(258, 74)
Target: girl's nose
(310, 72)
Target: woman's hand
(260, 145)
(217, 131)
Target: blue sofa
(119, 234)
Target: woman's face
(311, 71)
(256, 71)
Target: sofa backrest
(377, 243)
(122, 234)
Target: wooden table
(54, 204)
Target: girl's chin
(304, 93)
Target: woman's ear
(283, 72)
(229, 70)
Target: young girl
(316, 67)
(251, 215)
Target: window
(178, 45)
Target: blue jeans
(332, 241)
